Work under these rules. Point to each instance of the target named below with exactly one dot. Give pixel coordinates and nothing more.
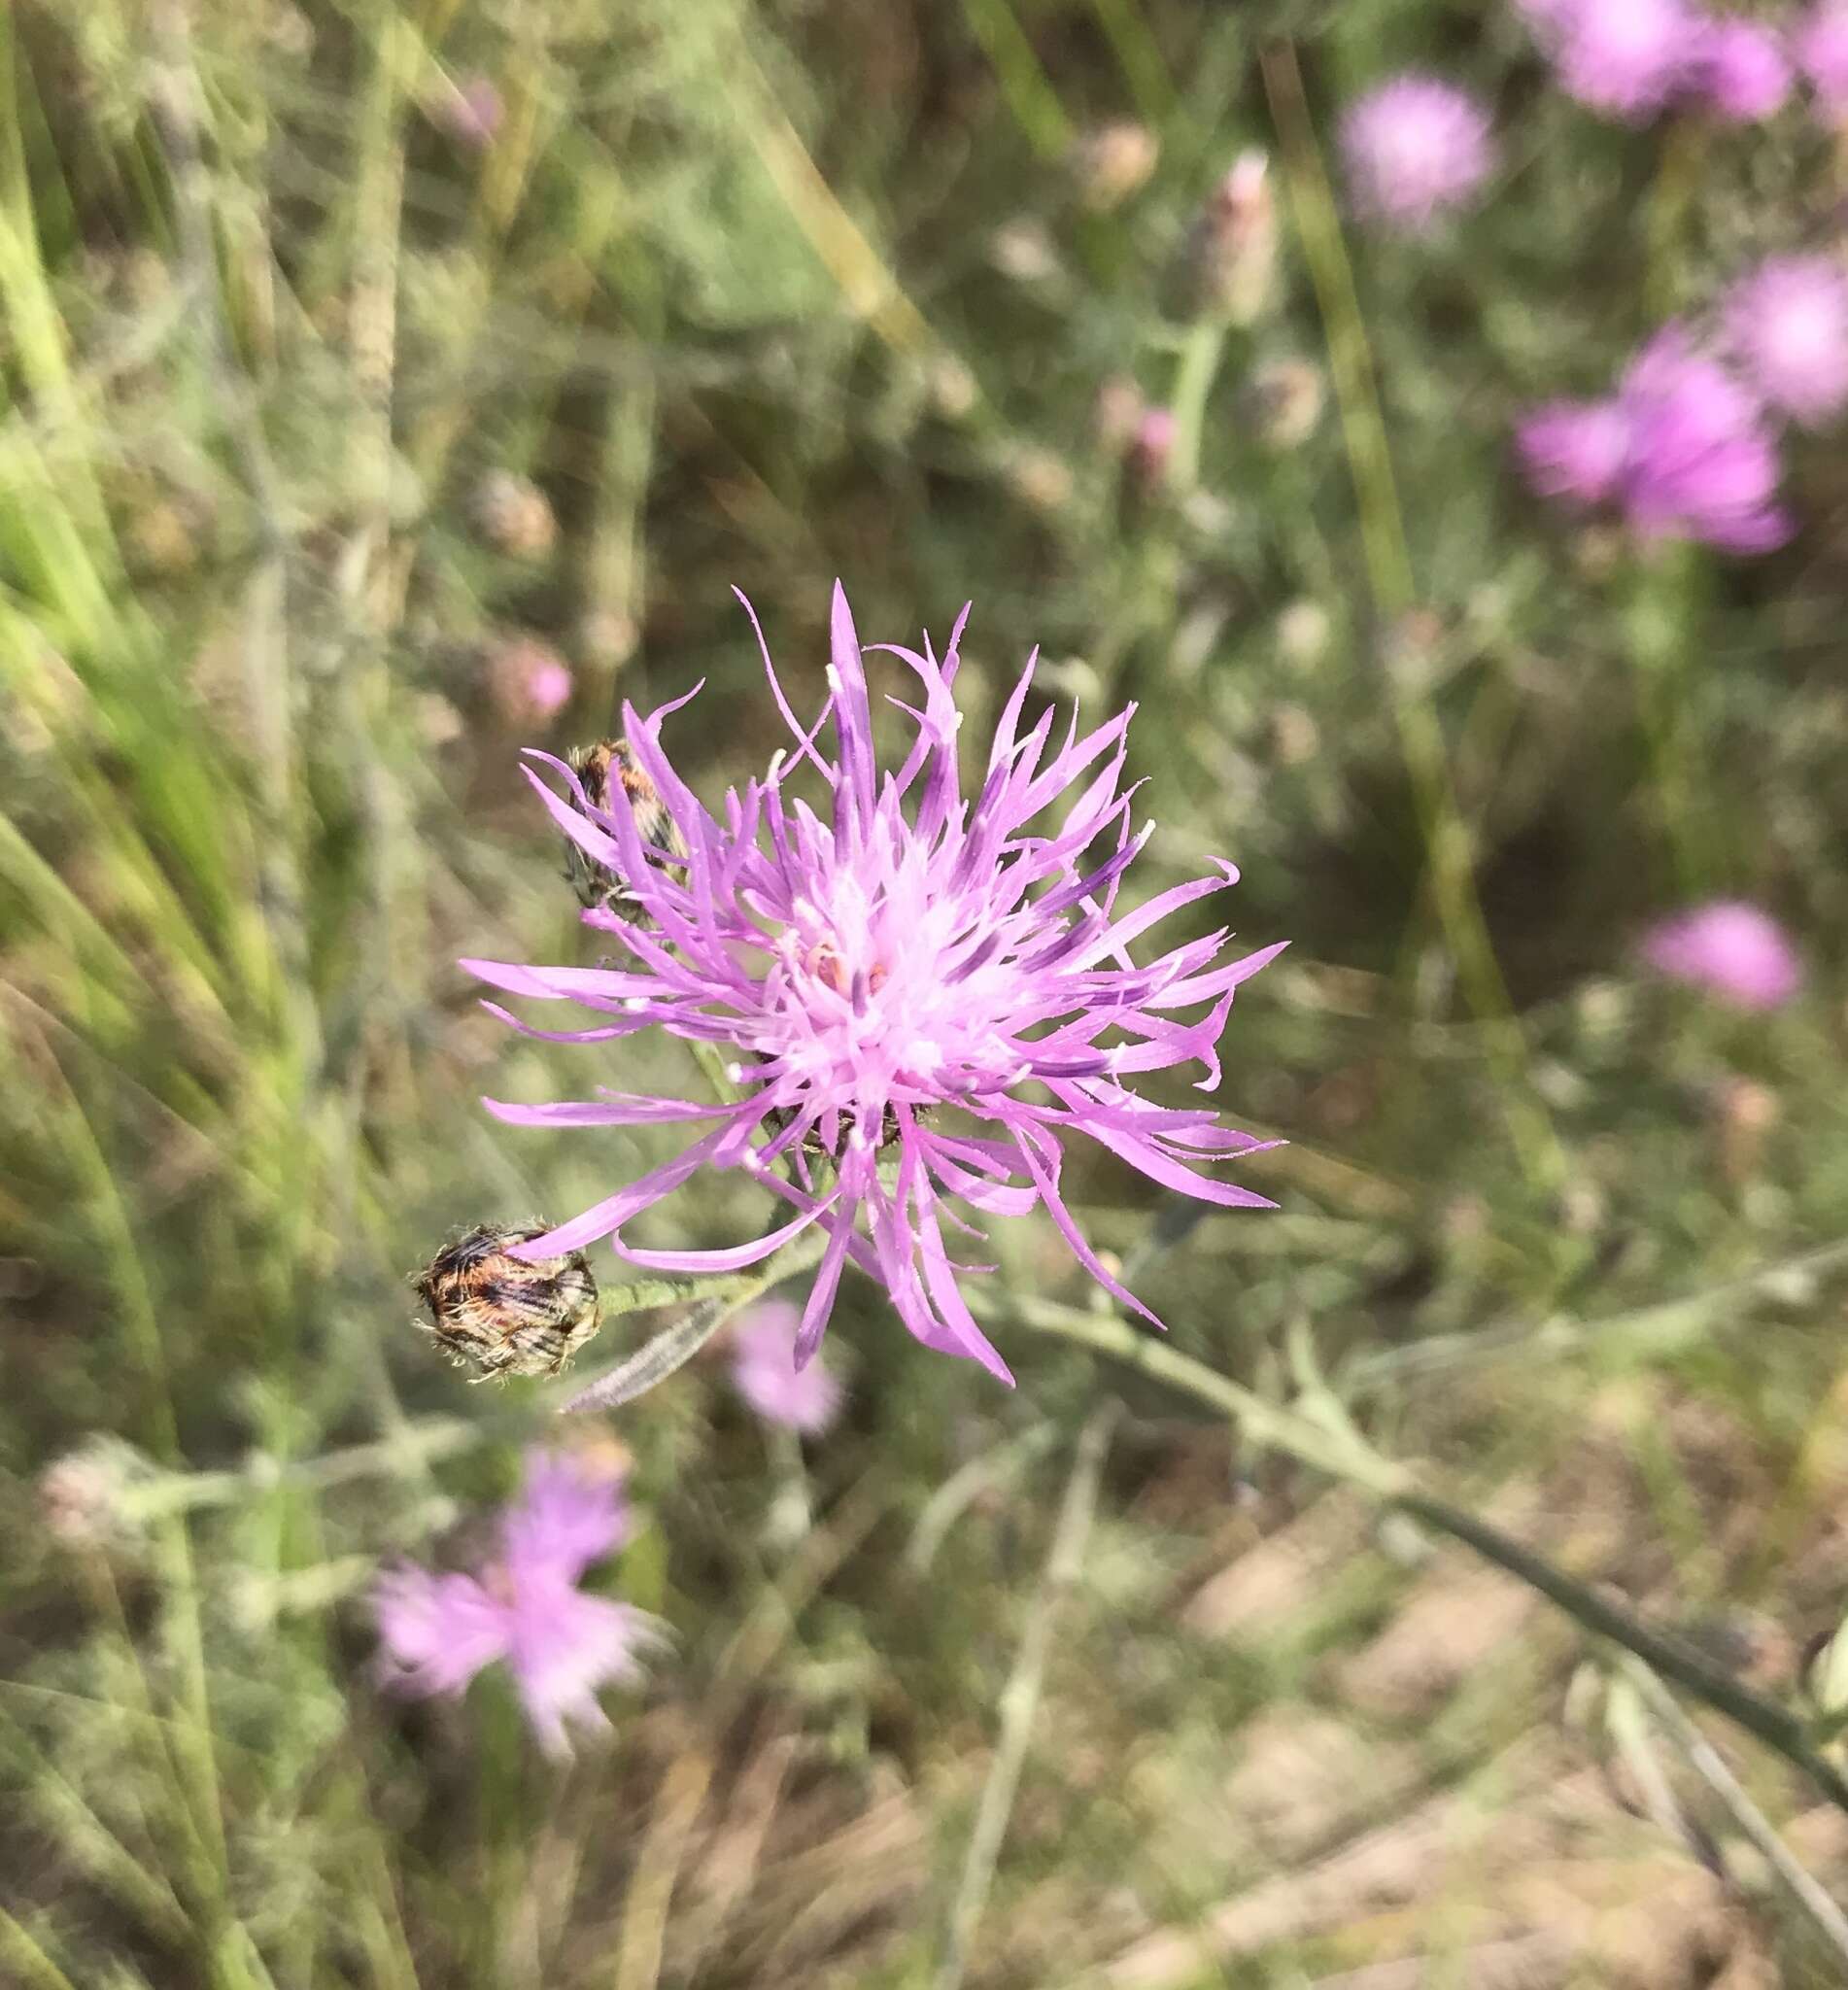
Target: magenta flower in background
(1730, 949)
(887, 973)
(436, 1631)
(1627, 58)
(1787, 323)
(1576, 450)
(765, 1372)
(1740, 70)
(1822, 52)
(1682, 447)
(1702, 463)
(1415, 148)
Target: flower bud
(1231, 248)
(469, 112)
(527, 680)
(1114, 161)
(504, 1314)
(595, 885)
(1150, 448)
(1282, 403)
(1118, 408)
(513, 515)
(85, 1497)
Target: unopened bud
(1302, 634)
(1231, 250)
(527, 680)
(1111, 162)
(1282, 403)
(504, 1314)
(1151, 448)
(469, 112)
(86, 1497)
(1744, 1111)
(1119, 407)
(1040, 479)
(1295, 738)
(513, 515)
(1022, 250)
(596, 884)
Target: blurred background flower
(1416, 148)
(1731, 949)
(524, 1607)
(765, 1373)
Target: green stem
(1445, 834)
(1193, 383)
(1322, 1438)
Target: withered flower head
(505, 1315)
(597, 885)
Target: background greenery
(757, 295)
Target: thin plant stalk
(1318, 1434)
(1701, 1755)
(1445, 834)
(1020, 1698)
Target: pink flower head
(1702, 463)
(1740, 70)
(1576, 450)
(1788, 324)
(887, 974)
(436, 1631)
(1415, 148)
(1627, 58)
(1682, 447)
(1822, 52)
(1730, 949)
(765, 1373)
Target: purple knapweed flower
(1730, 949)
(437, 1631)
(1415, 148)
(1683, 447)
(887, 973)
(1702, 463)
(765, 1372)
(1822, 52)
(1576, 450)
(1627, 58)
(1739, 70)
(1787, 323)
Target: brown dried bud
(1111, 162)
(513, 515)
(1231, 248)
(502, 1314)
(595, 885)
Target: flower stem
(1319, 1435)
(1020, 1699)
